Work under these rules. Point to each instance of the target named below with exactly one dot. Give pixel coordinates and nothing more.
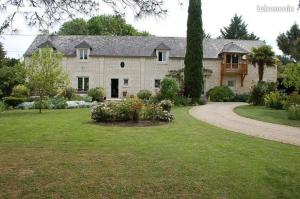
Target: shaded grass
(60, 154)
(266, 115)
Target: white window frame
(86, 54)
(83, 83)
(234, 83)
(165, 56)
(155, 83)
(125, 85)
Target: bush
(58, 103)
(13, 101)
(3, 106)
(144, 95)
(275, 100)
(68, 93)
(130, 110)
(241, 98)
(293, 98)
(259, 91)
(294, 112)
(169, 88)
(166, 116)
(97, 94)
(220, 94)
(180, 100)
(166, 105)
(20, 91)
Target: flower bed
(132, 110)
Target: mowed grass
(61, 154)
(266, 115)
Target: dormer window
(162, 56)
(83, 54)
(83, 50)
(162, 53)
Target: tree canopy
(44, 73)
(291, 76)
(237, 29)
(100, 25)
(289, 42)
(45, 13)
(262, 56)
(193, 71)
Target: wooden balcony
(240, 69)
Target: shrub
(241, 98)
(58, 103)
(151, 112)
(144, 95)
(169, 88)
(68, 93)
(259, 91)
(13, 101)
(294, 112)
(166, 105)
(180, 100)
(102, 113)
(293, 98)
(20, 91)
(275, 100)
(97, 94)
(220, 94)
(166, 116)
(3, 106)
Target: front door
(114, 88)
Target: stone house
(128, 64)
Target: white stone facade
(141, 73)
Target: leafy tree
(74, 27)
(237, 29)
(112, 25)
(45, 74)
(193, 71)
(169, 88)
(100, 25)
(292, 76)
(262, 56)
(54, 11)
(289, 42)
(206, 35)
(10, 73)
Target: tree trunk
(40, 102)
(260, 72)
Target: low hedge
(13, 101)
(220, 94)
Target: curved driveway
(222, 115)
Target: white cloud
(216, 14)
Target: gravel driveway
(222, 115)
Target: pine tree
(193, 71)
(237, 29)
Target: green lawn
(60, 154)
(267, 115)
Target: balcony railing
(239, 69)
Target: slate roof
(83, 44)
(162, 46)
(233, 48)
(134, 46)
(46, 44)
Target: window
(126, 82)
(122, 64)
(162, 56)
(83, 84)
(157, 83)
(83, 54)
(232, 61)
(231, 83)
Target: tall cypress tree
(193, 71)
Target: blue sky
(216, 14)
